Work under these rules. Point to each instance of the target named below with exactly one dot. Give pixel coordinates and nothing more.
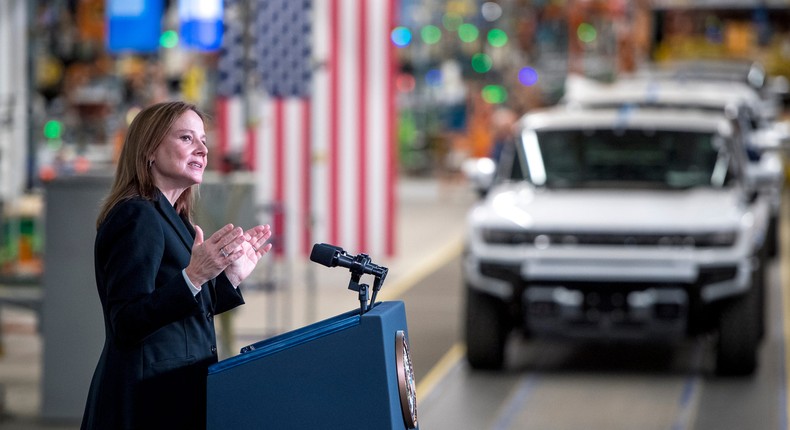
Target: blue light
(201, 24)
(433, 77)
(528, 76)
(401, 36)
(134, 25)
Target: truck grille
(520, 237)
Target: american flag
(325, 151)
(283, 50)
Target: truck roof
(562, 117)
(680, 93)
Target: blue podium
(351, 371)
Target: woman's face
(180, 160)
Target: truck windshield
(625, 158)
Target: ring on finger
(222, 251)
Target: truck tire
(759, 282)
(739, 327)
(486, 331)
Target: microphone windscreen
(324, 254)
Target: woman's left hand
(253, 247)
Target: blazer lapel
(178, 224)
(187, 234)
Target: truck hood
(693, 210)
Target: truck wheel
(739, 335)
(759, 282)
(486, 331)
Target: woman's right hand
(212, 256)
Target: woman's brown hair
(133, 175)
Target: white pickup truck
(629, 224)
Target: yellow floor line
(438, 372)
(400, 286)
(784, 277)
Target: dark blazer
(160, 338)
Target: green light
(53, 129)
(468, 32)
(494, 94)
(431, 34)
(481, 63)
(586, 32)
(451, 21)
(497, 37)
(168, 39)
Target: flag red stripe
(334, 117)
(362, 112)
(252, 142)
(279, 176)
(390, 149)
(307, 209)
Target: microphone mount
(358, 265)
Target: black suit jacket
(160, 338)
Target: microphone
(331, 256)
